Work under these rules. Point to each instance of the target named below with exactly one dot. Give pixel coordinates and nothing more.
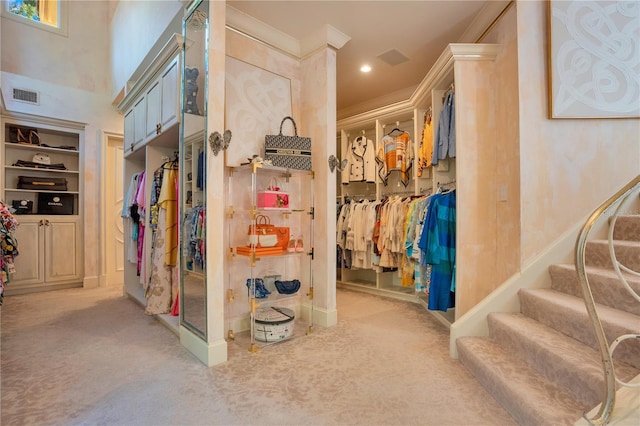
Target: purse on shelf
(273, 198)
(24, 135)
(42, 183)
(39, 158)
(22, 206)
(291, 152)
(287, 287)
(283, 234)
(263, 233)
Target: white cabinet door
(154, 99)
(139, 114)
(129, 133)
(170, 95)
(29, 262)
(62, 253)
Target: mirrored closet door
(195, 28)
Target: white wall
(136, 30)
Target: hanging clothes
(200, 174)
(193, 231)
(168, 200)
(8, 246)
(161, 292)
(445, 139)
(361, 161)
(425, 153)
(133, 208)
(438, 244)
(395, 152)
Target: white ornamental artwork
(256, 102)
(595, 59)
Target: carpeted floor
(91, 357)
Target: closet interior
(208, 198)
(400, 229)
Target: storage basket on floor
(274, 324)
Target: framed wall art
(594, 59)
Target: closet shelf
(38, 169)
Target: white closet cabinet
(466, 69)
(50, 241)
(162, 101)
(51, 252)
(152, 108)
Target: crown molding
(421, 96)
(257, 29)
(484, 20)
(325, 36)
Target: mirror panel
(193, 291)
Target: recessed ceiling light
(365, 68)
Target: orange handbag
(283, 233)
(263, 233)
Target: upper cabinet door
(154, 99)
(170, 95)
(129, 134)
(139, 114)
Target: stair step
(568, 314)
(564, 361)
(527, 396)
(627, 252)
(606, 287)
(627, 228)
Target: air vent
(28, 96)
(393, 57)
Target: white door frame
(106, 139)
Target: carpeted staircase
(541, 364)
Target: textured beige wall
(80, 60)
(568, 166)
(72, 76)
(507, 158)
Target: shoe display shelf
(270, 222)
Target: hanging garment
(425, 154)
(438, 242)
(168, 200)
(361, 161)
(159, 295)
(445, 139)
(395, 152)
(200, 175)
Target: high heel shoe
(34, 137)
(291, 246)
(20, 137)
(299, 245)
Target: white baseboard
(91, 282)
(102, 281)
(322, 317)
(210, 354)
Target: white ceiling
(419, 30)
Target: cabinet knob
(41, 222)
(46, 222)
(158, 128)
